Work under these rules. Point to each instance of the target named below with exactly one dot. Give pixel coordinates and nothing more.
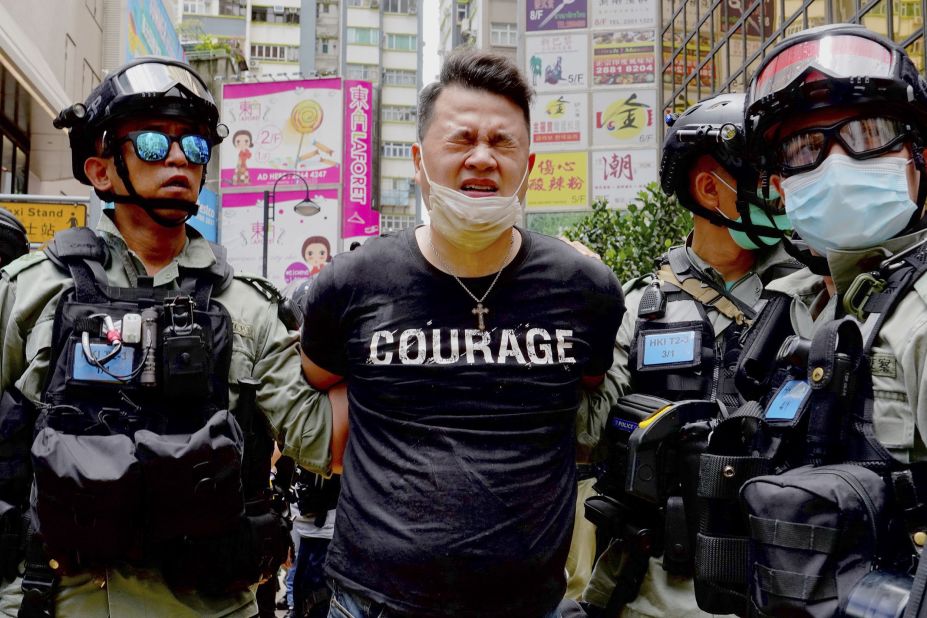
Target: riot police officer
(143, 381)
(849, 163)
(704, 293)
(835, 119)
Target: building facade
(606, 71)
(372, 40)
(45, 65)
(382, 44)
(712, 46)
(483, 24)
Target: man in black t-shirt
(465, 345)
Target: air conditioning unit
(278, 9)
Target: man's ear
(705, 190)
(98, 172)
(417, 162)
(776, 181)
(523, 191)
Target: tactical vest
(135, 445)
(787, 482)
(683, 359)
(136, 457)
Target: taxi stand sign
(43, 216)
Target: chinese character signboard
(624, 13)
(358, 216)
(559, 121)
(624, 117)
(43, 219)
(558, 61)
(281, 127)
(555, 14)
(558, 180)
(619, 175)
(623, 57)
(298, 246)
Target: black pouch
(87, 496)
(192, 482)
(220, 565)
(815, 532)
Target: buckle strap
(40, 582)
(704, 294)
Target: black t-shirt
(459, 486)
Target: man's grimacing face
(477, 142)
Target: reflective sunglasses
(861, 138)
(154, 146)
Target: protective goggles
(861, 138)
(839, 55)
(160, 77)
(154, 146)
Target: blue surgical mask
(758, 217)
(849, 204)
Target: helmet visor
(160, 77)
(839, 55)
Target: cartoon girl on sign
(243, 142)
(317, 252)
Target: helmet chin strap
(150, 204)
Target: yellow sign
(43, 219)
(558, 180)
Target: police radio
(186, 361)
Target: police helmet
(13, 240)
(828, 66)
(149, 86)
(714, 127)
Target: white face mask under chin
(472, 223)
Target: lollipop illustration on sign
(306, 117)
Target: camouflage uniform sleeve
(597, 403)
(264, 349)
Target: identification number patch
(788, 401)
(120, 365)
(669, 348)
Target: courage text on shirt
(416, 346)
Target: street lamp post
(306, 207)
